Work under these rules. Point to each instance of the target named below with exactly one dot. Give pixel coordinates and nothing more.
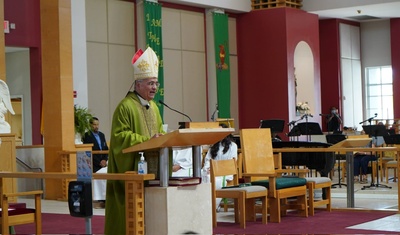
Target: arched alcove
(304, 76)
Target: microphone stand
(215, 111)
(306, 116)
(292, 123)
(162, 102)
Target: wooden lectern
(181, 138)
(177, 210)
(350, 146)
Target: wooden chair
(259, 169)
(16, 216)
(391, 165)
(244, 197)
(323, 183)
(225, 203)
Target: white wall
(79, 65)
(375, 44)
(18, 81)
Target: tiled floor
(374, 199)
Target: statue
(5, 105)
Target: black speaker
(80, 198)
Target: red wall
(266, 44)
(395, 39)
(330, 66)
(26, 16)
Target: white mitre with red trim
(145, 64)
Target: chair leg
(275, 210)
(250, 210)
(237, 210)
(242, 209)
(264, 202)
(214, 212)
(310, 187)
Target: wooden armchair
(244, 197)
(259, 169)
(16, 216)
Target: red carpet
(63, 224)
(323, 222)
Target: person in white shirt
(222, 150)
(182, 162)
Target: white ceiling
(341, 9)
(366, 10)
(346, 9)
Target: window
(379, 92)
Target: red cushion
(18, 211)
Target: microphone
(215, 111)
(162, 102)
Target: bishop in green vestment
(136, 119)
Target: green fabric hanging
(153, 29)
(221, 41)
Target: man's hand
(176, 168)
(103, 163)
(157, 135)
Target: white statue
(5, 105)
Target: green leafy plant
(82, 120)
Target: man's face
(95, 126)
(147, 88)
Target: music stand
(392, 139)
(334, 139)
(276, 125)
(310, 128)
(295, 131)
(375, 131)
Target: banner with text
(153, 26)
(221, 41)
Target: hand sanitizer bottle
(142, 165)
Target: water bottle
(142, 165)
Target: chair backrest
(257, 151)
(224, 167)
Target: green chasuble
(132, 124)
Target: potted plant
(82, 122)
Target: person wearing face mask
(334, 120)
(136, 119)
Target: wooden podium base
(176, 210)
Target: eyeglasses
(156, 84)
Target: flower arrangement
(302, 107)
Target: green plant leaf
(82, 119)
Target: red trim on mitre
(137, 56)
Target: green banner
(153, 26)
(221, 41)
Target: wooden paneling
(8, 161)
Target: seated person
(361, 160)
(97, 138)
(182, 162)
(222, 150)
